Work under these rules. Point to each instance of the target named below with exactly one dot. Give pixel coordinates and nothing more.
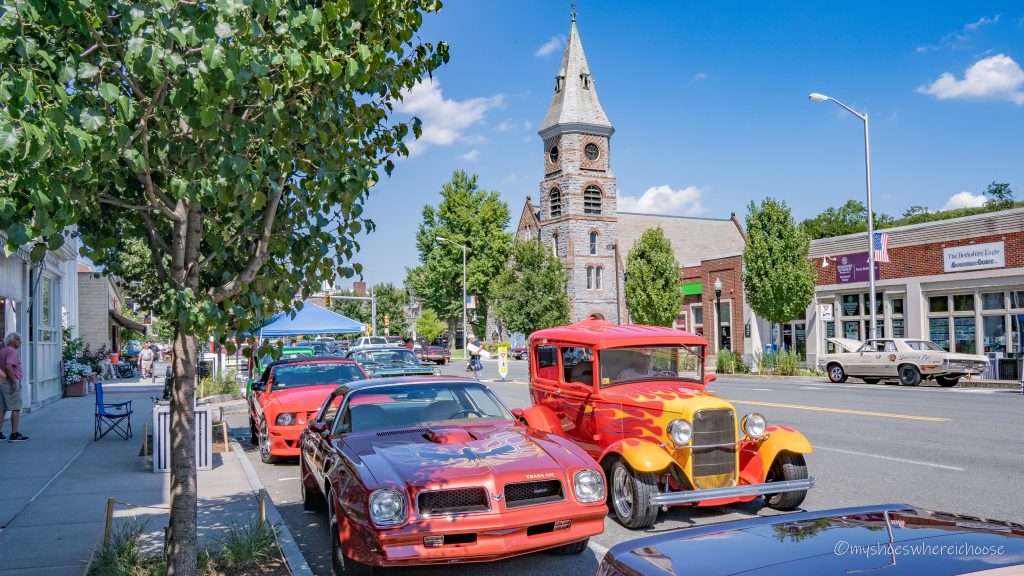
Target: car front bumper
(741, 491)
(497, 535)
(284, 440)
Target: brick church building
(578, 218)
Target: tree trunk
(182, 544)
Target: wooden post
(226, 446)
(108, 526)
(145, 439)
(263, 507)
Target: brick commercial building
(957, 282)
(578, 216)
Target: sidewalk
(56, 486)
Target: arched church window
(592, 200)
(590, 277)
(597, 277)
(593, 242)
(556, 203)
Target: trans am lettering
(499, 448)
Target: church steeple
(575, 106)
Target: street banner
(854, 268)
(974, 257)
(503, 361)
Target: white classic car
(908, 360)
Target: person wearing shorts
(146, 359)
(10, 386)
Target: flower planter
(77, 389)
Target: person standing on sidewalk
(146, 359)
(10, 386)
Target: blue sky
(709, 102)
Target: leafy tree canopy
(391, 302)
(778, 275)
(850, 218)
(652, 280)
(529, 294)
(429, 326)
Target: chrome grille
(459, 501)
(714, 467)
(530, 493)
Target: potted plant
(76, 377)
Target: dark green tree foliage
(778, 275)
(391, 302)
(237, 139)
(429, 326)
(1000, 196)
(529, 294)
(358, 310)
(850, 218)
(472, 217)
(652, 280)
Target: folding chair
(116, 417)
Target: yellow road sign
(503, 361)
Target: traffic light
(387, 321)
(327, 300)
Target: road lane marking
(287, 479)
(841, 411)
(805, 387)
(893, 458)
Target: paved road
(955, 449)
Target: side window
(547, 362)
(330, 409)
(578, 365)
(890, 346)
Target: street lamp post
(465, 335)
(815, 97)
(718, 312)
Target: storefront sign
(826, 313)
(975, 257)
(854, 268)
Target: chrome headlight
(680, 431)
(754, 425)
(387, 507)
(285, 419)
(588, 486)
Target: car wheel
(787, 466)
(910, 375)
(571, 549)
(340, 563)
(312, 499)
(442, 362)
(631, 496)
(947, 382)
(872, 380)
(265, 453)
(836, 373)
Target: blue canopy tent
(312, 319)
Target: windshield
(924, 345)
(619, 365)
(420, 405)
(302, 375)
(404, 356)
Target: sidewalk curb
(292, 555)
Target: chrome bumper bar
(688, 496)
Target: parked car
(436, 354)
(288, 395)
(381, 362)
(634, 398)
(437, 471)
(258, 364)
(893, 539)
(519, 352)
(907, 360)
(363, 341)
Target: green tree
(850, 218)
(429, 326)
(391, 302)
(161, 330)
(238, 139)
(358, 310)
(529, 294)
(652, 280)
(778, 274)
(1000, 196)
(916, 210)
(471, 217)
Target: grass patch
(123, 555)
(224, 383)
(248, 544)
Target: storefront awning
(690, 289)
(128, 323)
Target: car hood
(829, 542)
(380, 370)
(845, 344)
(444, 455)
(674, 397)
(305, 399)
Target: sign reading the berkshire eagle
(974, 257)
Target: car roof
(379, 348)
(410, 381)
(604, 334)
(311, 360)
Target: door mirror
(318, 427)
(518, 413)
(258, 386)
(709, 378)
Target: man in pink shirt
(10, 386)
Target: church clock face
(592, 151)
(553, 154)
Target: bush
(784, 363)
(492, 347)
(224, 383)
(123, 556)
(248, 544)
(729, 362)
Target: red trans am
(288, 395)
(438, 470)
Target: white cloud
(996, 78)
(957, 37)
(506, 125)
(471, 155)
(444, 119)
(551, 46)
(964, 200)
(700, 76)
(664, 200)
(983, 21)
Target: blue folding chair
(116, 417)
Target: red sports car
(288, 395)
(438, 470)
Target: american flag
(880, 243)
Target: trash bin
(1010, 368)
(205, 368)
(162, 437)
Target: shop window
(938, 304)
(830, 332)
(938, 332)
(897, 306)
(698, 315)
(1017, 299)
(725, 326)
(898, 331)
(851, 329)
(993, 337)
(878, 303)
(879, 327)
(965, 335)
(963, 303)
(851, 305)
(992, 301)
